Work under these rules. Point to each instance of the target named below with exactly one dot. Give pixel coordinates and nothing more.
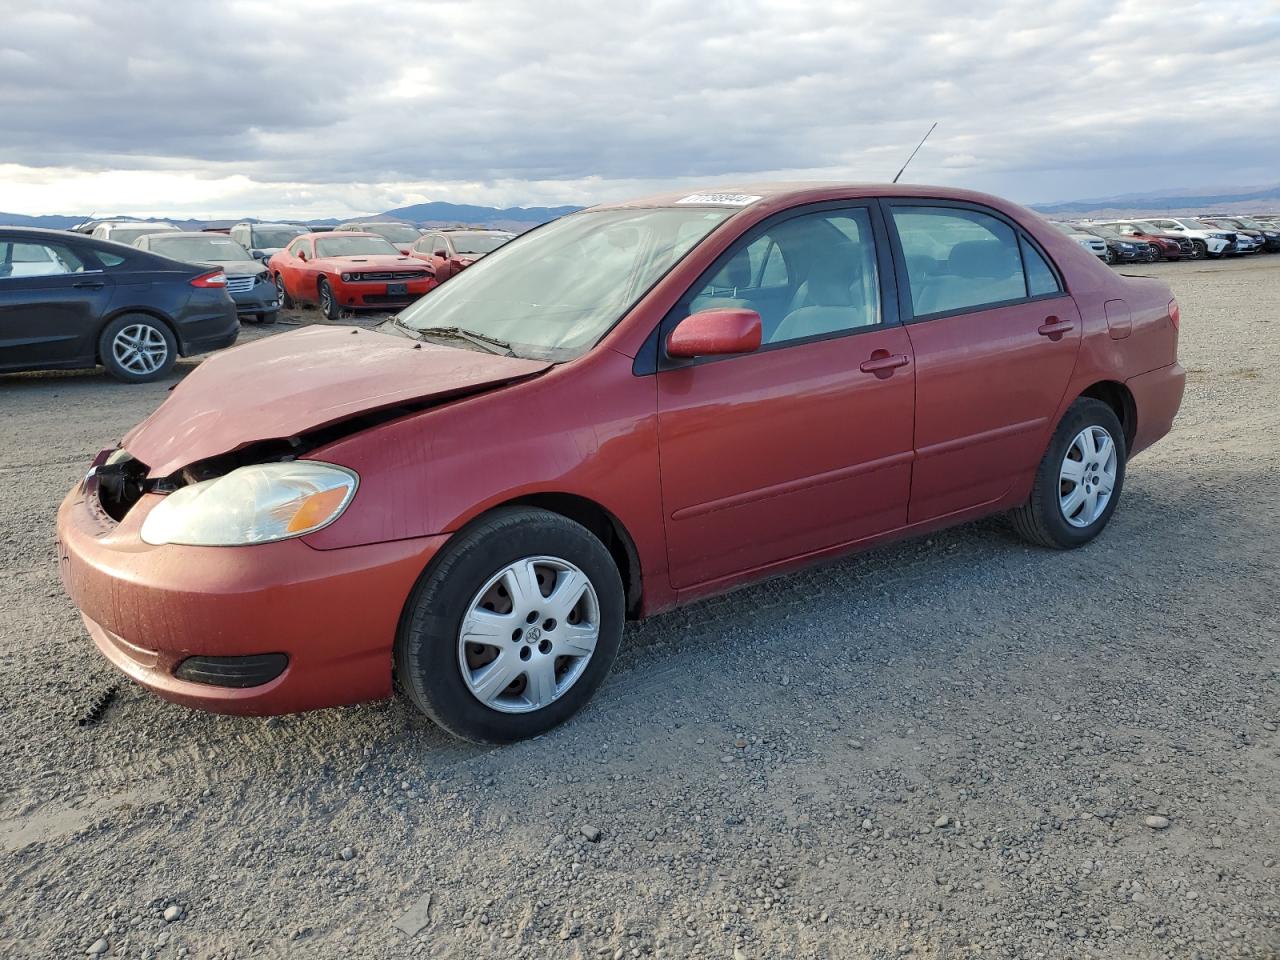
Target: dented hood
(284, 385)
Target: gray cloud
(1039, 101)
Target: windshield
(1066, 227)
(1197, 225)
(395, 232)
(554, 292)
(130, 234)
(196, 248)
(478, 243)
(354, 247)
(275, 236)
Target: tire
(286, 301)
(1200, 250)
(1043, 520)
(444, 676)
(1111, 257)
(137, 348)
(271, 316)
(329, 305)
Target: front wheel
(513, 628)
(1199, 249)
(1078, 482)
(329, 305)
(286, 301)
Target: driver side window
(808, 276)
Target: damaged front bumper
(326, 618)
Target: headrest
(982, 259)
(831, 278)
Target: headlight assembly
(257, 504)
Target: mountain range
(1227, 200)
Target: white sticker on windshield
(724, 199)
(219, 241)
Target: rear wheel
(137, 348)
(1079, 480)
(513, 628)
(329, 305)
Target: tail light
(1175, 314)
(214, 278)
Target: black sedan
(67, 302)
(248, 282)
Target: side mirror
(302, 254)
(720, 331)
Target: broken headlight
(255, 504)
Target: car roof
(325, 234)
(781, 195)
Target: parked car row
(1174, 238)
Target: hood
(373, 261)
(288, 384)
(236, 268)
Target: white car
(1091, 242)
(1208, 240)
(125, 231)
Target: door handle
(882, 363)
(1053, 328)
(89, 285)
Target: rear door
(995, 338)
(804, 444)
(51, 297)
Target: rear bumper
(209, 322)
(332, 613)
(1157, 395)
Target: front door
(995, 338)
(50, 301)
(806, 443)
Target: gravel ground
(955, 747)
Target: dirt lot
(948, 748)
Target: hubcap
(140, 348)
(1088, 476)
(528, 634)
(326, 298)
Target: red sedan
(347, 271)
(625, 410)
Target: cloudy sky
(327, 107)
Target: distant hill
(442, 213)
(1225, 200)
(433, 214)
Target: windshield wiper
(492, 344)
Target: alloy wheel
(528, 634)
(1087, 476)
(140, 348)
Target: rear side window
(1041, 280)
(959, 259)
(21, 259)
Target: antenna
(916, 150)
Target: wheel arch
(1119, 398)
(151, 312)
